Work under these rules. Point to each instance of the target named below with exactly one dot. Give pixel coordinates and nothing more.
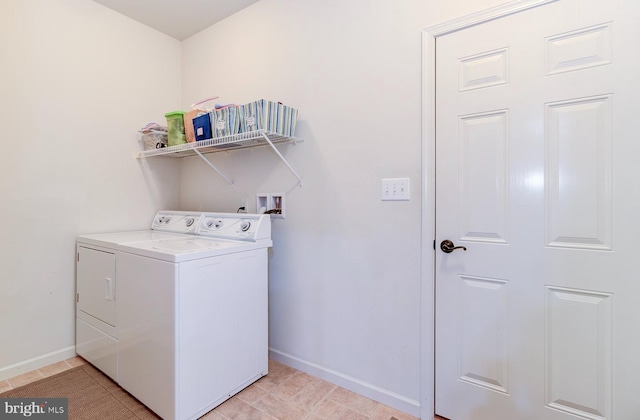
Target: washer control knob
(245, 225)
(189, 221)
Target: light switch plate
(395, 189)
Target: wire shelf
(220, 144)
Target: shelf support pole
(213, 167)
(281, 157)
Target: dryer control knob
(245, 225)
(189, 221)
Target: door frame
(427, 293)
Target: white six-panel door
(538, 176)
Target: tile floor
(44, 372)
(285, 393)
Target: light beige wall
(77, 81)
(345, 271)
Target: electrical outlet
(245, 204)
(395, 189)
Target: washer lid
(189, 245)
(192, 248)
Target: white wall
(345, 277)
(77, 81)
(344, 274)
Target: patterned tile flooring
(285, 393)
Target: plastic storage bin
(175, 128)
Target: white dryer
(192, 314)
(97, 330)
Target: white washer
(97, 328)
(192, 315)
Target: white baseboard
(381, 395)
(38, 362)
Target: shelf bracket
(282, 157)
(213, 167)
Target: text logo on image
(36, 408)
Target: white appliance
(97, 329)
(192, 314)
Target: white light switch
(395, 189)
